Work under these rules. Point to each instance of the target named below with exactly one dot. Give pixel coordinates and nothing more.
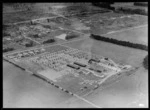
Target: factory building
(73, 66)
(79, 64)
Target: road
(32, 40)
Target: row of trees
(133, 11)
(141, 3)
(5, 34)
(8, 49)
(82, 10)
(104, 5)
(118, 42)
(20, 6)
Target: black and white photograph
(75, 55)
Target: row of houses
(26, 53)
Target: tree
(145, 62)
(30, 44)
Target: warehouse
(79, 64)
(73, 66)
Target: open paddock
(136, 35)
(119, 54)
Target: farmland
(119, 54)
(62, 66)
(112, 21)
(131, 90)
(135, 35)
(19, 86)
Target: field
(130, 86)
(129, 91)
(80, 85)
(106, 22)
(23, 16)
(117, 53)
(56, 64)
(136, 35)
(131, 6)
(20, 90)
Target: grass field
(130, 91)
(22, 90)
(117, 53)
(135, 35)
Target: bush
(35, 36)
(30, 44)
(5, 34)
(49, 41)
(5, 26)
(71, 36)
